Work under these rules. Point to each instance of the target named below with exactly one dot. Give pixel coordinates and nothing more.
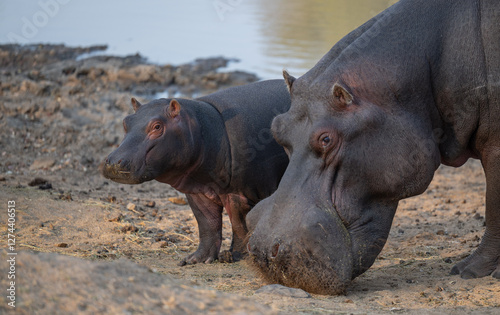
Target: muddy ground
(88, 245)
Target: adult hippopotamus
(415, 86)
(217, 149)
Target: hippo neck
(210, 171)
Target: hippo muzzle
(316, 257)
(126, 165)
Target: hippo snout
(310, 251)
(118, 169)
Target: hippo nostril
(275, 250)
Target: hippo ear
(174, 108)
(341, 95)
(288, 79)
(135, 104)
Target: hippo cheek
(310, 249)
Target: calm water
(266, 36)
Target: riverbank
(61, 114)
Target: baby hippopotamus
(217, 149)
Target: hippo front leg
(208, 214)
(485, 260)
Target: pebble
(177, 200)
(42, 163)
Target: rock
(129, 228)
(42, 163)
(177, 200)
(37, 181)
(131, 206)
(279, 289)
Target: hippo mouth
(118, 174)
(316, 257)
(122, 172)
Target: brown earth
(59, 117)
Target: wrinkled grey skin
(416, 86)
(217, 149)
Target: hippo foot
(479, 264)
(227, 256)
(200, 256)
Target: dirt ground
(61, 115)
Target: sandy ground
(59, 117)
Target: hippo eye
(325, 140)
(156, 130)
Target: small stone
(279, 289)
(129, 228)
(42, 163)
(65, 196)
(45, 186)
(62, 245)
(177, 200)
(38, 181)
(477, 216)
(110, 199)
(441, 232)
(150, 204)
(131, 206)
(117, 218)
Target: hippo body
(416, 86)
(217, 149)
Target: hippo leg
(237, 208)
(486, 258)
(208, 214)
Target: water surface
(266, 36)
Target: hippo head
(353, 155)
(158, 141)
